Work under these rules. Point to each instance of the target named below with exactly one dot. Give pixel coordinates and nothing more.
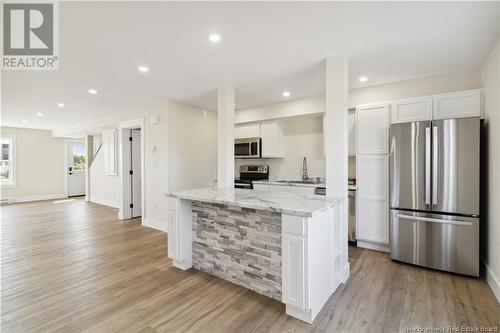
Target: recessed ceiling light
(214, 38)
(143, 69)
(39, 114)
(286, 94)
(61, 105)
(92, 91)
(363, 79)
(24, 121)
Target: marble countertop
(270, 182)
(277, 183)
(282, 202)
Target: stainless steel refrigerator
(434, 185)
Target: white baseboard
(104, 202)
(38, 198)
(492, 280)
(155, 224)
(373, 246)
(345, 273)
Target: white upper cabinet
(247, 131)
(351, 139)
(373, 129)
(411, 109)
(460, 104)
(109, 151)
(271, 133)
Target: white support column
(337, 87)
(225, 137)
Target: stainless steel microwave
(247, 148)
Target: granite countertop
(270, 182)
(282, 202)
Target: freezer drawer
(444, 242)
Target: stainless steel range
(250, 173)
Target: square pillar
(336, 133)
(225, 137)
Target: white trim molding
(104, 202)
(39, 197)
(492, 280)
(155, 224)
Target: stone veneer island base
(283, 245)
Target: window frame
(12, 182)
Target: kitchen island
(283, 245)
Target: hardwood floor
(72, 266)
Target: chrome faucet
(305, 176)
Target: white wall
(463, 80)
(192, 141)
(156, 162)
(491, 156)
(104, 189)
(303, 136)
(428, 85)
(184, 153)
(39, 165)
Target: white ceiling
(266, 48)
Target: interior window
(6, 162)
(78, 157)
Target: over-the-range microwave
(247, 148)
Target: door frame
(66, 165)
(124, 211)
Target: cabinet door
(272, 139)
(373, 129)
(462, 104)
(247, 131)
(411, 109)
(351, 140)
(172, 234)
(372, 216)
(294, 283)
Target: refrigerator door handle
(427, 165)
(433, 220)
(435, 147)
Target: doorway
(135, 172)
(131, 163)
(75, 162)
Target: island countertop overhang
(283, 202)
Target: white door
(76, 168)
(135, 146)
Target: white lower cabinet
(372, 216)
(294, 283)
(172, 230)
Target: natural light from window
(6, 162)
